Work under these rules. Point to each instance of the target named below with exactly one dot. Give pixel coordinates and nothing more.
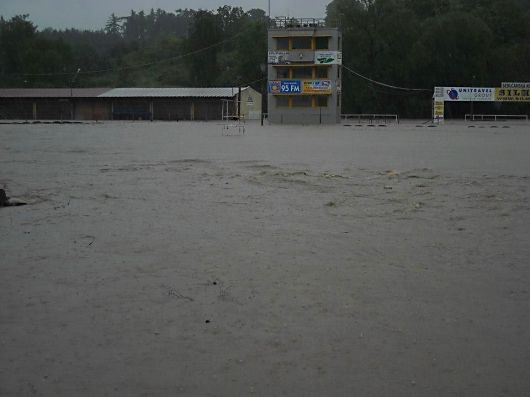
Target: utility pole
(239, 102)
(73, 81)
(72, 105)
(264, 84)
(472, 96)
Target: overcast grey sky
(92, 14)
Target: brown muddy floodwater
(164, 259)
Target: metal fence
(290, 23)
(496, 117)
(368, 118)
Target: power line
(137, 66)
(399, 93)
(384, 84)
(254, 81)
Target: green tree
(204, 39)
(16, 36)
(113, 26)
(424, 43)
(24, 55)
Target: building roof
(293, 23)
(214, 92)
(51, 92)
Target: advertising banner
(317, 87)
(328, 57)
(278, 57)
(438, 110)
(515, 85)
(285, 87)
(512, 94)
(439, 93)
(294, 87)
(469, 94)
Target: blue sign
(285, 87)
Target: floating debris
(9, 201)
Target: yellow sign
(438, 113)
(317, 87)
(512, 94)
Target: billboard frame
(441, 95)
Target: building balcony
(297, 23)
(308, 57)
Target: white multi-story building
(304, 72)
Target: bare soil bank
(160, 259)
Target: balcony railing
(297, 23)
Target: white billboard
(468, 94)
(328, 57)
(515, 85)
(278, 57)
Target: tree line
(156, 49)
(428, 43)
(407, 43)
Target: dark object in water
(7, 202)
(3, 198)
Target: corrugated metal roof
(51, 92)
(214, 92)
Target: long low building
(129, 103)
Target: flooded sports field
(165, 259)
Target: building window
(322, 101)
(302, 73)
(282, 73)
(322, 72)
(282, 101)
(282, 43)
(301, 43)
(321, 43)
(302, 101)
